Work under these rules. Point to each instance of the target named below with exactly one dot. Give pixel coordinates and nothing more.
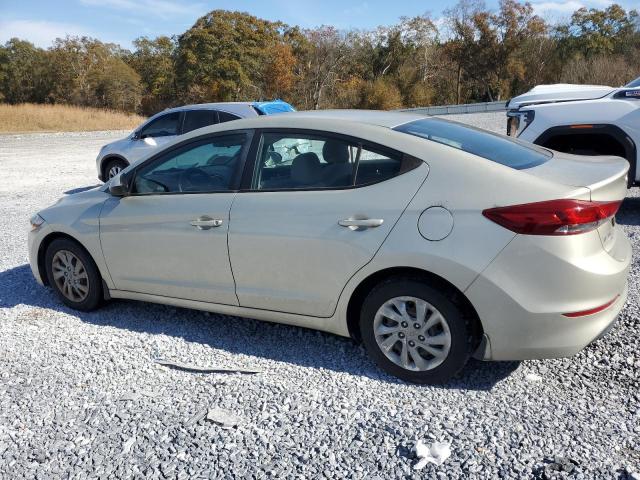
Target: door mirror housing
(119, 186)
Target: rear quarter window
(497, 148)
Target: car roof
(367, 124)
(241, 108)
(310, 118)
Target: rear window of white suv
(497, 148)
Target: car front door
(315, 211)
(169, 236)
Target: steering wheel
(194, 180)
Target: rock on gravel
(81, 395)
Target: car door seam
(104, 259)
(235, 286)
(383, 241)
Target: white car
(165, 126)
(581, 119)
(429, 240)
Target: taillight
(553, 217)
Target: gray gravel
(81, 395)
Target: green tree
(598, 32)
(91, 73)
(24, 72)
(154, 61)
(223, 55)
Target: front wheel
(114, 167)
(415, 332)
(73, 275)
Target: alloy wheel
(113, 171)
(70, 275)
(412, 333)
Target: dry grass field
(29, 117)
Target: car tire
(73, 275)
(444, 331)
(113, 167)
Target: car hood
(116, 144)
(87, 201)
(560, 92)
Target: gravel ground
(80, 395)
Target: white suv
(581, 119)
(168, 124)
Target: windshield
(634, 83)
(497, 148)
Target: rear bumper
(522, 295)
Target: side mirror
(119, 186)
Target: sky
(121, 21)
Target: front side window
(496, 148)
(317, 161)
(195, 119)
(207, 166)
(163, 126)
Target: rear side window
(227, 117)
(195, 119)
(319, 160)
(504, 150)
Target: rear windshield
(504, 150)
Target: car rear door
(169, 237)
(316, 209)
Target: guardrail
(457, 109)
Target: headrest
(335, 151)
(305, 169)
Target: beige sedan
(428, 240)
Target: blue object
(273, 107)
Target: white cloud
(551, 7)
(557, 7)
(160, 8)
(39, 32)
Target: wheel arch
(614, 132)
(364, 287)
(107, 158)
(42, 249)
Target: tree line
(471, 54)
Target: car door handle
(361, 223)
(205, 222)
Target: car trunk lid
(604, 176)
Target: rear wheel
(114, 167)
(415, 332)
(73, 275)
